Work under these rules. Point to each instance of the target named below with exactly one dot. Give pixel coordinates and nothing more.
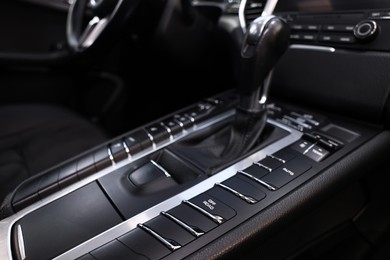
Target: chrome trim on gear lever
(268, 10)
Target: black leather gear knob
(264, 43)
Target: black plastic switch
(194, 114)
(183, 120)
(284, 155)
(158, 132)
(115, 250)
(317, 153)
(118, 151)
(301, 146)
(142, 138)
(170, 230)
(101, 159)
(269, 163)
(145, 174)
(286, 173)
(237, 193)
(244, 188)
(144, 244)
(256, 171)
(219, 211)
(174, 126)
(329, 144)
(310, 137)
(192, 218)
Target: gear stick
(264, 43)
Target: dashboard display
(329, 5)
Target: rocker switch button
(286, 173)
(217, 210)
(317, 153)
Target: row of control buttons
(296, 120)
(380, 14)
(336, 33)
(364, 30)
(142, 139)
(161, 132)
(344, 38)
(325, 28)
(167, 232)
(191, 219)
(316, 146)
(276, 170)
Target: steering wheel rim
(88, 20)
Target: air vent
(253, 9)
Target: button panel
(286, 173)
(212, 208)
(316, 146)
(334, 33)
(193, 218)
(352, 30)
(243, 190)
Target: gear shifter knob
(264, 43)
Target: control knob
(365, 30)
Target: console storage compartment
(63, 224)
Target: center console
(155, 192)
(135, 197)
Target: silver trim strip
(276, 158)
(166, 173)
(217, 219)
(20, 239)
(265, 89)
(195, 231)
(109, 152)
(126, 149)
(270, 187)
(311, 47)
(263, 166)
(269, 7)
(171, 244)
(248, 199)
(241, 15)
(310, 147)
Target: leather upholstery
(36, 137)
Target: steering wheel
(90, 22)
